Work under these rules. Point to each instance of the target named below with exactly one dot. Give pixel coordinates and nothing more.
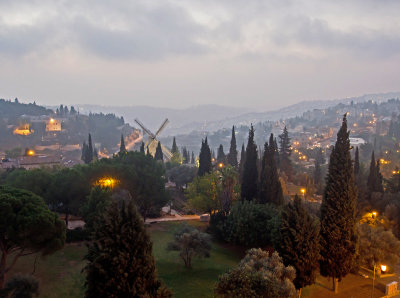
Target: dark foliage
(270, 189)
(249, 189)
(205, 165)
(120, 261)
(299, 245)
(338, 222)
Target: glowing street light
(303, 191)
(31, 152)
(374, 214)
(383, 268)
(220, 165)
(107, 182)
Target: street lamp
(303, 191)
(383, 268)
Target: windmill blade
(162, 127)
(166, 152)
(145, 129)
(151, 142)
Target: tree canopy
(249, 189)
(259, 274)
(27, 226)
(338, 222)
(120, 261)
(299, 243)
(205, 165)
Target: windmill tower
(152, 140)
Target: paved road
(73, 224)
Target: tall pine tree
(284, 153)
(122, 148)
(193, 160)
(232, 155)
(221, 158)
(270, 189)
(205, 165)
(142, 148)
(174, 148)
(87, 151)
(375, 176)
(120, 261)
(241, 164)
(250, 172)
(299, 245)
(356, 164)
(90, 149)
(159, 154)
(338, 210)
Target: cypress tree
(284, 153)
(221, 155)
(122, 148)
(379, 186)
(205, 165)
(193, 160)
(84, 149)
(142, 147)
(89, 152)
(174, 148)
(120, 261)
(232, 155)
(241, 165)
(299, 245)
(270, 190)
(250, 172)
(277, 161)
(372, 178)
(185, 156)
(356, 164)
(159, 154)
(338, 209)
(375, 178)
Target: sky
(262, 54)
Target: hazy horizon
(259, 54)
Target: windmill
(152, 141)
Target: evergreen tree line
(89, 152)
(304, 242)
(263, 185)
(64, 111)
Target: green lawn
(60, 274)
(198, 281)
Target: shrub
(251, 224)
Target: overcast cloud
(262, 53)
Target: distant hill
(280, 114)
(196, 116)
(214, 117)
(14, 109)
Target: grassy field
(60, 274)
(198, 281)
